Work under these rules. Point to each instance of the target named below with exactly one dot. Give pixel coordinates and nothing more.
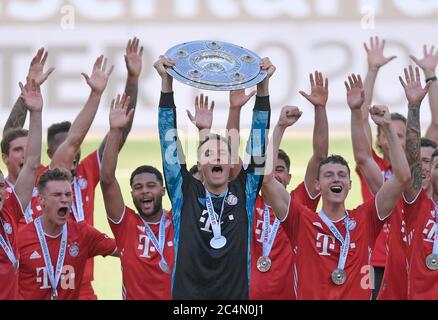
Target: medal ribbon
(6, 245)
(77, 207)
(269, 237)
(215, 224)
(159, 245)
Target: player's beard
(158, 207)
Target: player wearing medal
(420, 210)
(144, 239)
(272, 262)
(12, 203)
(54, 249)
(212, 220)
(333, 245)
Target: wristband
(431, 79)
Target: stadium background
(298, 35)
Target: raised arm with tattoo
(274, 193)
(119, 118)
(361, 148)
(17, 117)
(98, 80)
(33, 100)
(391, 190)
(376, 60)
(318, 97)
(134, 65)
(415, 94)
(428, 64)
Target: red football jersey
(83, 242)
(142, 277)
(421, 224)
(318, 252)
(378, 256)
(395, 279)
(11, 213)
(278, 282)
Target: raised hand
(267, 65)
(161, 64)
(376, 58)
(99, 76)
(355, 92)
(36, 68)
(288, 116)
(429, 61)
(380, 115)
(119, 116)
(133, 57)
(238, 98)
(415, 93)
(319, 90)
(31, 95)
(203, 118)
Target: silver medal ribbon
(158, 244)
(77, 207)
(6, 245)
(214, 217)
(268, 237)
(27, 212)
(435, 237)
(345, 243)
(54, 276)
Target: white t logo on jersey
(67, 280)
(205, 220)
(429, 230)
(326, 243)
(145, 245)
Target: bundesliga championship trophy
(215, 65)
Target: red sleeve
(12, 208)
(91, 167)
(367, 213)
(98, 243)
(292, 222)
(301, 195)
(121, 229)
(366, 193)
(412, 209)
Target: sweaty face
(334, 182)
(214, 163)
(282, 173)
(147, 194)
(56, 200)
(15, 159)
(426, 156)
(382, 140)
(3, 192)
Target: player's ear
(163, 191)
(317, 186)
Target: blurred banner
(298, 35)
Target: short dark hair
(146, 169)
(57, 174)
(56, 128)
(282, 155)
(215, 136)
(334, 158)
(425, 142)
(194, 170)
(10, 136)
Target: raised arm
(33, 100)
(119, 118)
(428, 64)
(203, 118)
(274, 193)
(17, 117)
(388, 196)
(376, 59)
(67, 151)
(318, 98)
(415, 94)
(134, 64)
(361, 148)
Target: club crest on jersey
(82, 183)
(73, 250)
(352, 224)
(231, 200)
(8, 228)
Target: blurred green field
(107, 275)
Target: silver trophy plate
(215, 65)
